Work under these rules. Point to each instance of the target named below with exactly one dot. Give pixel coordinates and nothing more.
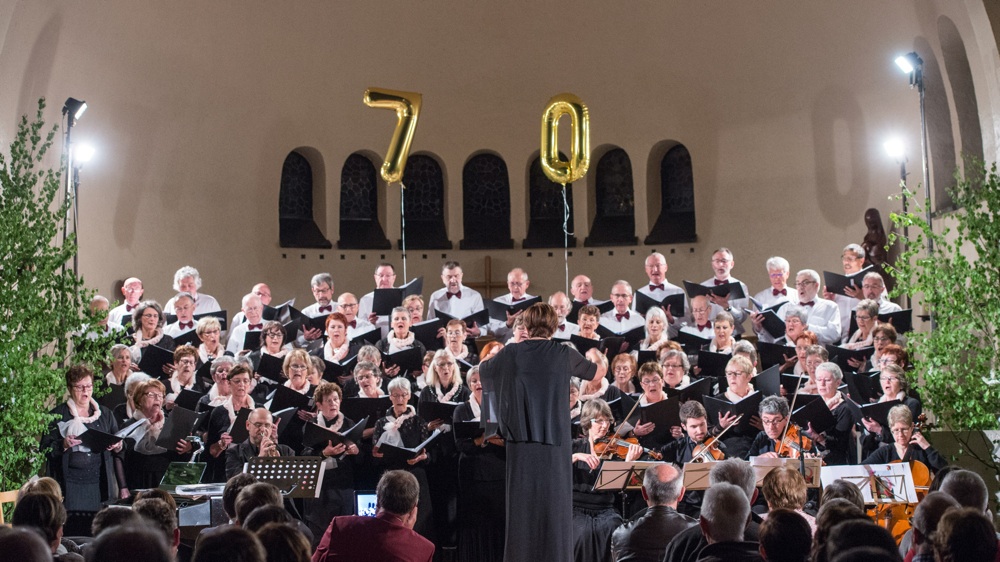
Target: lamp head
(896, 149)
(74, 107)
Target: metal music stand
(620, 476)
(696, 475)
(296, 477)
(763, 465)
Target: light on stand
(73, 109)
(895, 148)
(83, 154)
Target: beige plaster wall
(784, 107)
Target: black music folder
(285, 398)
(733, 290)
(774, 353)
(271, 367)
(837, 282)
(332, 370)
(371, 409)
(583, 345)
(238, 429)
(153, 359)
(499, 310)
(768, 381)
(317, 436)
(314, 322)
(188, 399)
(675, 303)
(188, 338)
(878, 411)
(574, 312)
(409, 359)
(281, 313)
(665, 413)
(480, 318)
(179, 424)
(384, 300)
(901, 320)
(431, 411)
(696, 390)
(815, 412)
(251, 340)
(748, 407)
(841, 355)
(713, 364)
(368, 337)
(691, 343)
(426, 332)
(392, 453)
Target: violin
(788, 446)
(618, 447)
(709, 449)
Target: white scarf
(837, 400)
(378, 393)
(112, 379)
(654, 345)
(629, 388)
(305, 389)
(901, 396)
(575, 410)
(461, 354)
(335, 355)
(141, 343)
(477, 410)
(228, 405)
(714, 347)
(176, 387)
(322, 422)
(396, 344)
(204, 354)
(643, 401)
(392, 425)
(734, 398)
(604, 388)
(446, 397)
(77, 425)
(213, 396)
(147, 445)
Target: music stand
(696, 475)
(879, 483)
(763, 465)
(619, 476)
(296, 477)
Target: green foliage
(41, 302)
(959, 284)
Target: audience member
(965, 535)
(253, 496)
(968, 489)
(112, 516)
(44, 512)
(785, 536)
(785, 488)
(264, 515)
(855, 533)
(45, 485)
(924, 523)
(163, 517)
(645, 537)
(230, 545)
(843, 489)
(283, 543)
(388, 536)
(833, 511)
(724, 514)
(24, 545)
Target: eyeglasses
(239, 382)
(210, 332)
(153, 315)
(735, 373)
(186, 361)
(454, 332)
(720, 261)
(263, 425)
(885, 379)
(620, 295)
(865, 318)
(880, 338)
(399, 396)
(673, 366)
(273, 335)
(622, 369)
(776, 275)
(349, 305)
(153, 395)
(364, 376)
(901, 430)
(804, 283)
(298, 367)
(700, 310)
(83, 387)
(773, 422)
(650, 381)
(601, 421)
(890, 360)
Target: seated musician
(594, 515)
(261, 443)
(774, 415)
(694, 420)
(908, 445)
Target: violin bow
(791, 408)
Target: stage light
(905, 62)
(84, 153)
(74, 107)
(895, 148)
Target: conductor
(524, 390)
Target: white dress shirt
(845, 305)
(659, 294)
(566, 330)
(469, 303)
(360, 327)
(610, 321)
(174, 330)
(237, 334)
(365, 305)
(202, 304)
(737, 307)
(120, 313)
(824, 321)
(886, 306)
(768, 299)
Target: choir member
(221, 420)
(589, 318)
(779, 291)
(414, 304)
(185, 362)
(723, 329)
(253, 311)
(209, 331)
(564, 329)
(621, 319)
(132, 291)
(624, 369)
(873, 288)
(456, 299)
(517, 283)
(701, 323)
(656, 329)
(582, 290)
(184, 310)
(148, 319)
(853, 259)
(866, 315)
(296, 368)
(385, 278)
(220, 390)
(87, 477)
(895, 386)
(739, 371)
(456, 343)
(347, 304)
(722, 265)
(145, 461)
(321, 285)
(188, 280)
(651, 379)
(836, 440)
(675, 366)
(398, 339)
(659, 288)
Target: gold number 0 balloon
(407, 107)
(558, 170)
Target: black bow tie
(808, 303)
(718, 282)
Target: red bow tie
(130, 308)
(807, 303)
(253, 327)
(704, 326)
(620, 316)
(776, 292)
(518, 300)
(353, 323)
(457, 295)
(186, 325)
(655, 287)
(562, 327)
(327, 308)
(718, 282)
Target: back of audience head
(253, 496)
(160, 514)
(842, 489)
(24, 545)
(129, 543)
(284, 543)
(831, 513)
(41, 511)
(784, 487)
(725, 512)
(737, 472)
(265, 514)
(965, 535)
(968, 489)
(927, 515)
(855, 533)
(785, 536)
(110, 517)
(663, 484)
(233, 488)
(231, 544)
(44, 485)
(157, 494)
(397, 493)
(866, 554)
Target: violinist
(774, 415)
(908, 445)
(594, 514)
(694, 420)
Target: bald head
(262, 291)
(663, 484)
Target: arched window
(423, 202)
(963, 93)
(545, 211)
(486, 204)
(940, 132)
(359, 224)
(297, 226)
(614, 216)
(675, 223)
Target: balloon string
(402, 222)
(566, 235)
